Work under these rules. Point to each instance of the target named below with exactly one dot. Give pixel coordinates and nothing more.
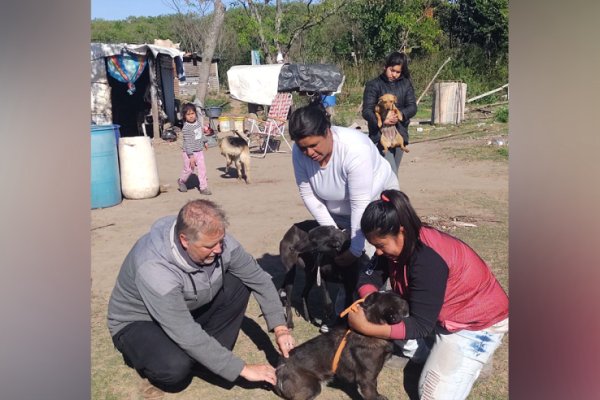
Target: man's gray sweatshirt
(155, 282)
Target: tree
(277, 30)
(199, 30)
(403, 26)
(483, 23)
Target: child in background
(194, 142)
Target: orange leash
(338, 353)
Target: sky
(121, 9)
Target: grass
(479, 139)
(482, 152)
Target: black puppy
(299, 377)
(311, 247)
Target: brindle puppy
(299, 377)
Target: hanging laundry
(179, 68)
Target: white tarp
(254, 83)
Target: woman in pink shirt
(452, 295)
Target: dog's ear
(371, 299)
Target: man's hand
(345, 259)
(284, 340)
(259, 372)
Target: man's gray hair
(198, 217)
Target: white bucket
(139, 174)
(224, 124)
(238, 123)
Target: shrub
(501, 114)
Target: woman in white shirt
(339, 171)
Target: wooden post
(153, 96)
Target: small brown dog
(236, 151)
(390, 137)
(299, 377)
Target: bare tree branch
(264, 45)
(309, 23)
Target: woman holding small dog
(338, 172)
(451, 292)
(395, 79)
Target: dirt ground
(447, 189)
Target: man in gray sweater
(180, 298)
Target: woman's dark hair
(385, 217)
(398, 58)
(310, 120)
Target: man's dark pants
(148, 349)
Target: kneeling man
(180, 299)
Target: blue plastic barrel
(328, 101)
(105, 180)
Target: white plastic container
(139, 174)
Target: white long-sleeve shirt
(355, 175)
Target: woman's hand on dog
(391, 118)
(345, 259)
(259, 372)
(358, 322)
(284, 340)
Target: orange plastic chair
(266, 132)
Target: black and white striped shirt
(193, 137)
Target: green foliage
(502, 152)
(389, 26)
(501, 114)
(133, 30)
(483, 23)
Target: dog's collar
(338, 353)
